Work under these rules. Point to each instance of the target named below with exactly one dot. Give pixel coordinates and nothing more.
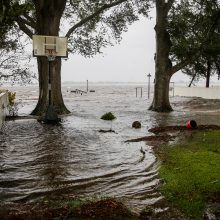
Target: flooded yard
(75, 159)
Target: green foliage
(148, 211)
(11, 48)
(9, 11)
(92, 24)
(108, 116)
(189, 23)
(11, 98)
(13, 106)
(191, 172)
(15, 67)
(106, 23)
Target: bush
(108, 116)
(13, 106)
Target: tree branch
(4, 61)
(5, 76)
(184, 63)
(198, 52)
(26, 22)
(23, 27)
(30, 21)
(169, 4)
(217, 67)
(96, 13)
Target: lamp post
(149, 75)
(87, 85)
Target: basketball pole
(49, 81)
(51, 115)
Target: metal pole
(87, 85)
(136, 92)
(49, 81)
(149, 75)
(51, 115)
(141, 92)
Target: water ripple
(38, 160)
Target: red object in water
(191, 124)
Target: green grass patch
(191, 172)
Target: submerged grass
(98, 208)
(192, 172)
(70, 209)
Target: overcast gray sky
(130, 61)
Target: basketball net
(50, 54)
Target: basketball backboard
(42, 45)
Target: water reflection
(51, 155)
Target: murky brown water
(73, 158)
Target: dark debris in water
(213, 208)
(107, 131)
(104, 209)
(169, 133)
(158, 130)
(162, 138)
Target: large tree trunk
(56, 95)
(48, 15)
(162, 63)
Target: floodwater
(74, 158)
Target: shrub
(13, 106)
(108, 117)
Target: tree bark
(193, 77)
(208, 74)
(48, 14)
(56, 94)
(162, 62)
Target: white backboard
(41, 43)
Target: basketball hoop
(50, 46)
(50, 54)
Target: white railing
(212, 92)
